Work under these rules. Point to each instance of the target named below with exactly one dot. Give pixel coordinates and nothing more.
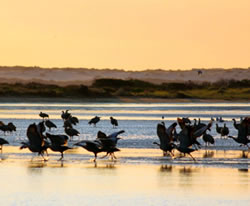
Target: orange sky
(125, 34)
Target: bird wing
(90, 143)
(170, 130)
(48, 123)
(181, 123)
(162, 134)
(34, 136)
(58, 139)
(202, 130)
(115, 134)
(101, 135)
(184, 137)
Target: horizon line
(125, 70)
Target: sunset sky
(125, 34)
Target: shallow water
(140, 175)
(131, 180)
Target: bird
(73, 120)
(185, 150)
(114, 122)
(219, 119)
(94, 120)
(43, 115)
(11, 127)
(109, 142)
(236, 126)
(2, 142)
(67, 123)
(241, 140)
(189, 134)
(243, 129)
(218, 129)
(166, 138)
(208, 139)
(65, 115)
(71, 132)
(224, 131)
(199, 125)
(4, 128)
(41, 127)
(35, 141)
(91, 146)
(58, 143)
(188, 137)
(50, 124)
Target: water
(138, 120)
(140, 175)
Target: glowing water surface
(140, 175)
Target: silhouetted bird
(188, 137)
(242, 137)
(219, 119)
(50, 124)
(199, 72)
(71, 132)
(67, 123)
(58, 143)
(91, 146)
(224, 131)
(73, 120)
(114, 122)
(109, 142)
(11, 127)
(2, 142)
(94, 120)
(65, 115)
(166, 138)
(36, 141)
(43, 115)
(41, 127)
(185, 150)
(4, 128)
(208, 139)
(236, 126)
(218, 129)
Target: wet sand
(138, 177)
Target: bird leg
(95, 157)
(164, 153)
(172, 154)
(104, 156)
(192, 157)
(43, 158)
(114, 156)
(61, 156)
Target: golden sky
(125, 34)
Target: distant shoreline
(85, 76)
(112, 100)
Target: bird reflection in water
(243, 170)
(187, 171)
(35, 167)
(244, 154)
(109, 165)
(208, 154)
(166, 168)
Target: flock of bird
(185, 141)
(187, 137)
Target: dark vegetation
(105, 88)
